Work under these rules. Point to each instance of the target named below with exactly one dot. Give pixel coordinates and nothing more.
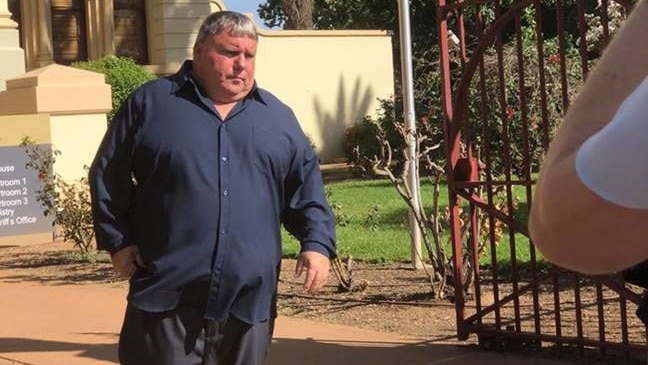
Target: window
(68, 31)
(130, 30)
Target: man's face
(224, 66)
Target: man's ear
(197, 48)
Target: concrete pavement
(45, 324)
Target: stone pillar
(12, 56)
(101, 28)
(5, 17)
(172, 33)
(37, 33)
(57, 106)
(75, 100)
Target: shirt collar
(184, 78)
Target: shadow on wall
(348, 111)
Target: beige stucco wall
(16, 127)
(77, 136)
(331, 79)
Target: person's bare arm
(571, 225)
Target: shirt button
(224, 158)
(226, 193)
(222, 231)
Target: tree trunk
(299, 14)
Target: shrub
(362, 141)
(68, 203)
(122, 73)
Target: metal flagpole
(410, 124)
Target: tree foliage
(326, 14)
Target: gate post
(452, 138)
(55, 106)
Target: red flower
(509, 111)
(554, 58)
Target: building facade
(332, 79)
(152, 32)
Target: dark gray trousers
(184, 337)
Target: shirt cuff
(318, 247)
(113, 248)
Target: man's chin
(235, 94)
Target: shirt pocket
(272, 151)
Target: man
(190, 185)
(590, 210)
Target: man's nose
(240, 62)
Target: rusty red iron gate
(509, 71)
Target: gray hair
(232, 22)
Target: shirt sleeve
(611, 162)
(111, 185)
(308, 216)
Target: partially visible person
(590, 209)
(190, 186)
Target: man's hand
(127, 260)
(317, 269)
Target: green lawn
(372, 223)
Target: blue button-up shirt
(203, 197)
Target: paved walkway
(45, 324)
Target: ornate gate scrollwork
(507, 84)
